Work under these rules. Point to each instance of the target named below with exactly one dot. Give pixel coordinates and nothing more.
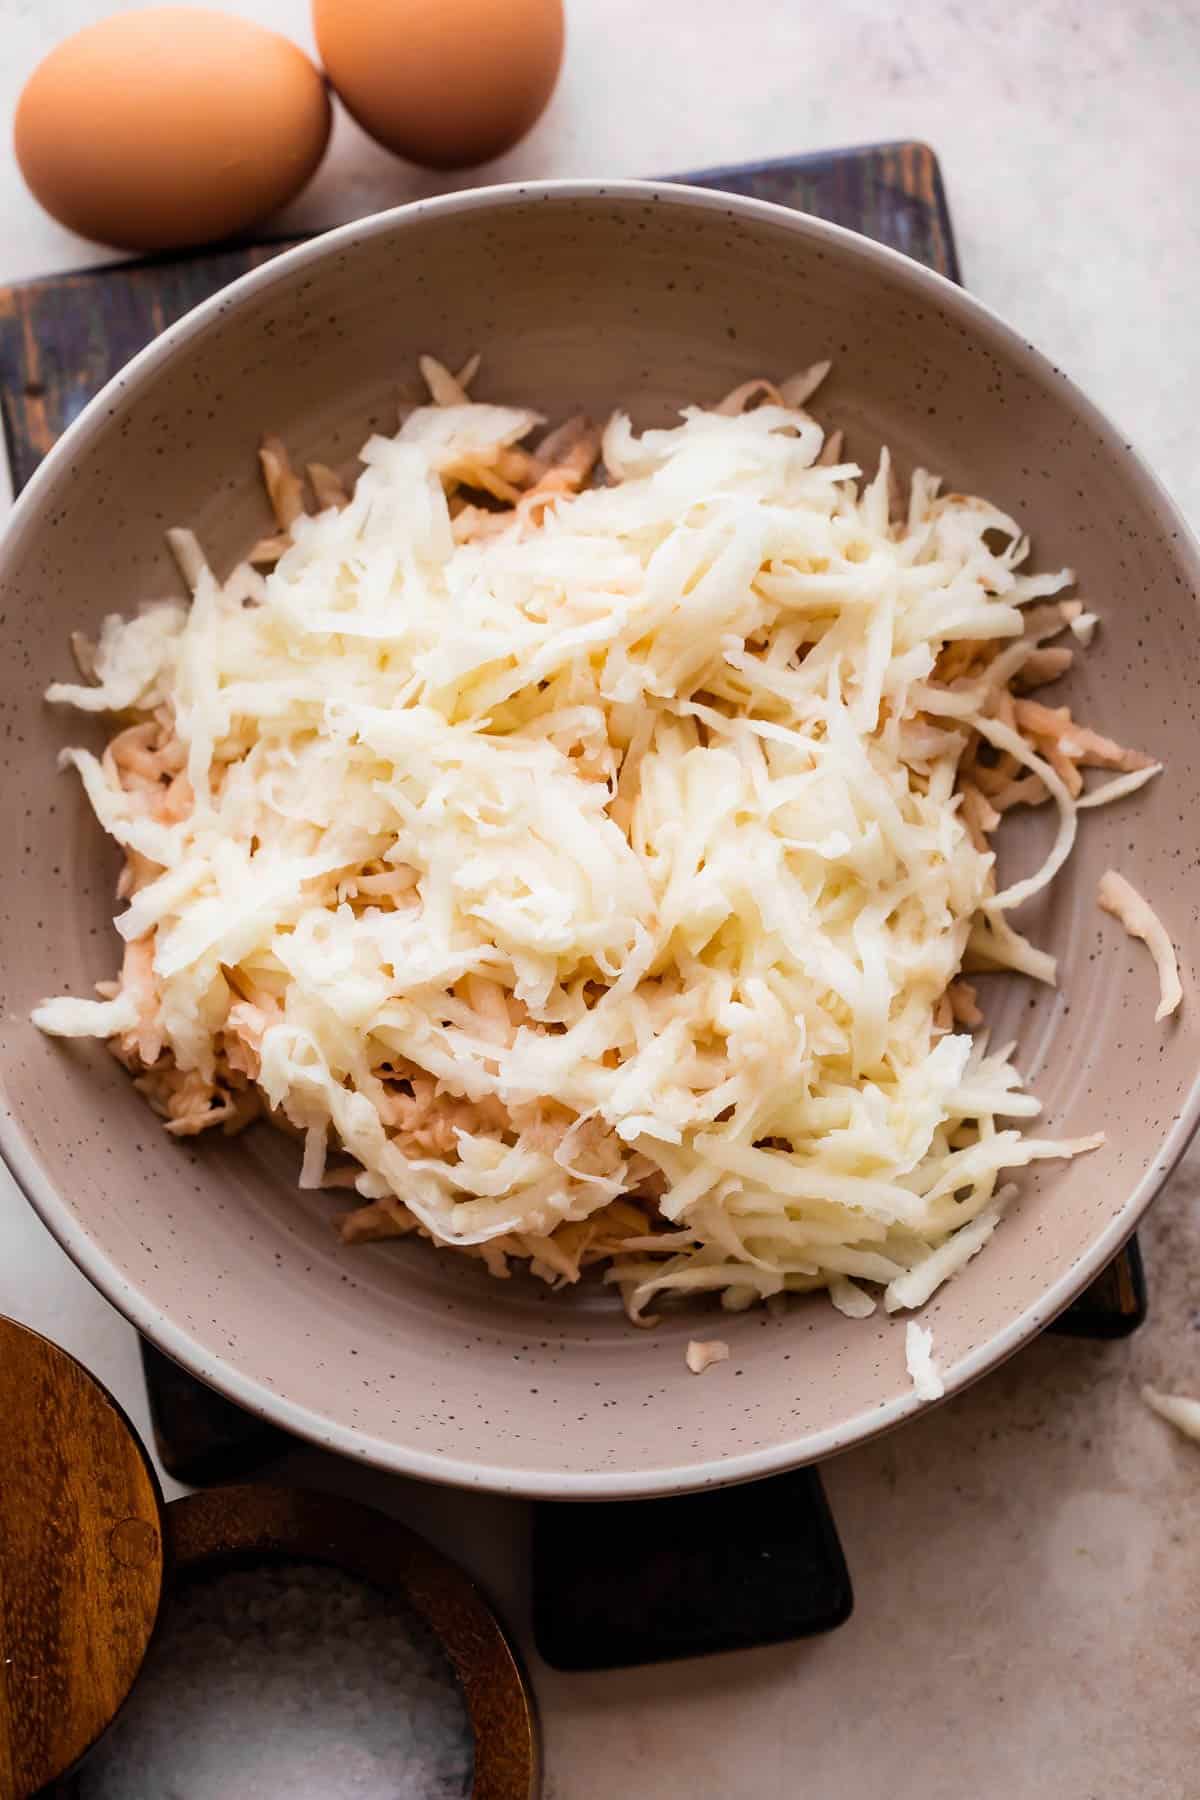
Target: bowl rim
(323, 1430)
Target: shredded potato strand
(1121, 898)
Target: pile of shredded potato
(581, 842)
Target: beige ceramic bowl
(580, 295)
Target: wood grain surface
(81, 1560)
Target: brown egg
(444, 85)
(157, 129)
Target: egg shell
(448, 86)
(154, 130)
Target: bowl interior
(578, 298)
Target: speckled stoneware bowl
(580, 295)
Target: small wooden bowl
(81, 1560)
(230, 1524)
(88, 1548)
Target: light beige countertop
(1026, 1559)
